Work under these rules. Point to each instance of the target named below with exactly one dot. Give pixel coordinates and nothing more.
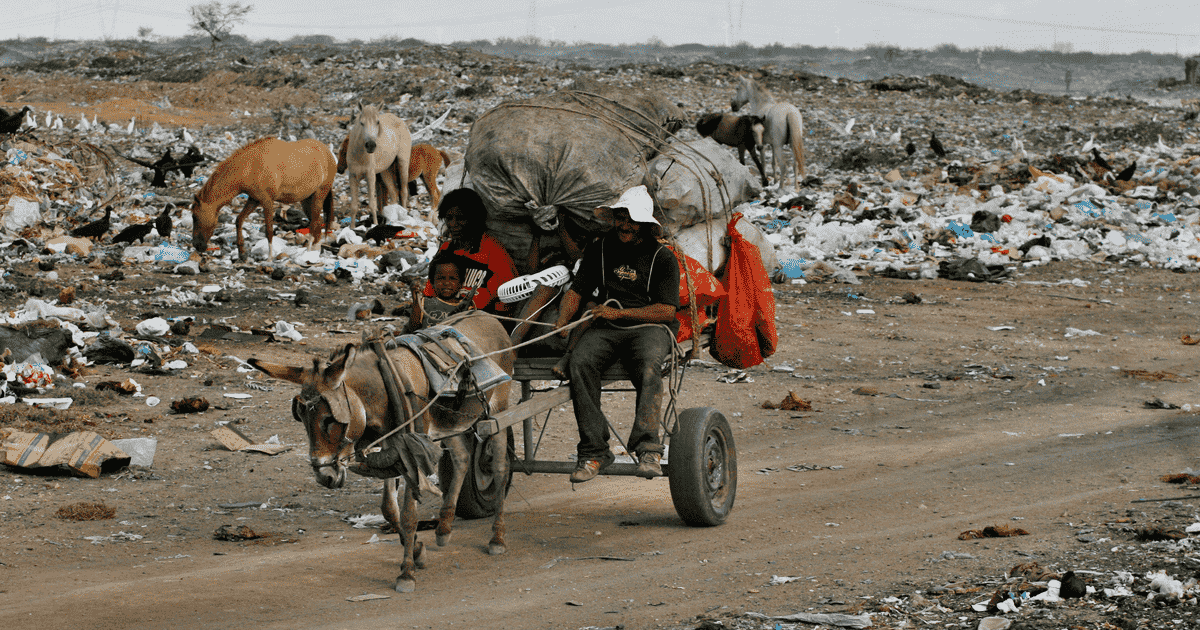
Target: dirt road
(1027, 427)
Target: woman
(489, 264)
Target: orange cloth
(492, 255)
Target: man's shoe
(587, 469)
(649, 465)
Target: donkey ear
(336, 370)
(288, 373)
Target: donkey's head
(332, 412)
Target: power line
(1075, 27)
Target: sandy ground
(1027, 424)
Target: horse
(376, 140)
(267, 170)
(782, 124)
(344, 406)
(425, 161)
(745, 133)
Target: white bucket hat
(637, 201)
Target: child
(446, 276)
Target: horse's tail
(445, 158)
(795, 137)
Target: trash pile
(1138, 568)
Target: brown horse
(344, 406)
(267, 170)
(377, 139)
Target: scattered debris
(993, 531)
(85, 511)
(791, 402)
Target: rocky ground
(940, 405)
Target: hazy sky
(1095, 25)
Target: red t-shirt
(497, 267)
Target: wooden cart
(701, 464)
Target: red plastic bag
(745, 332)
(708, 291)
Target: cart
(701, 464)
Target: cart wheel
(702, 467)
(483, 486)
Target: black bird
(135, 232)
(10, 123)
(1072, 586)
(95, 229)
(910, 148)
(936, 145)
(163, 222)
(164, 165)
(381, 233)
(1127, 174)
(190, 160)
(1099, 159)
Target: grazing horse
(344, 406)
(377, 139)
(782, 124)
(267, 170)
(745, 133)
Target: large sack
(559, 156)
(697, 181)
(745, 332)
(694, 242)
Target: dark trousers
(641, 351)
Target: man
(634, 282)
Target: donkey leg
(430, 178)
(371, 195)
(393, 515)
(500, 465)
(757, 162)
(457, 459)
(406, 525)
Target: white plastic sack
(22, 213)
(694, 241)
(682, 182)
(153, 327)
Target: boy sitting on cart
(635, 282)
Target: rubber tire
(702, 467)
(479, 491)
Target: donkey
(377, 139)
(744, 133)
(343, 404)
(782, 124)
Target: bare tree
(218, 19)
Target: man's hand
(604, 311)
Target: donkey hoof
(405, 586)
(444, 539)
(496, 549)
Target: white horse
(376, 141)
(782, 125)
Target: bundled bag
(745, 332)
(708, 291)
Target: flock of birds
(137, 232)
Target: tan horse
(782, 125)
(343, 404)
(376, 141)
(267, 170)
